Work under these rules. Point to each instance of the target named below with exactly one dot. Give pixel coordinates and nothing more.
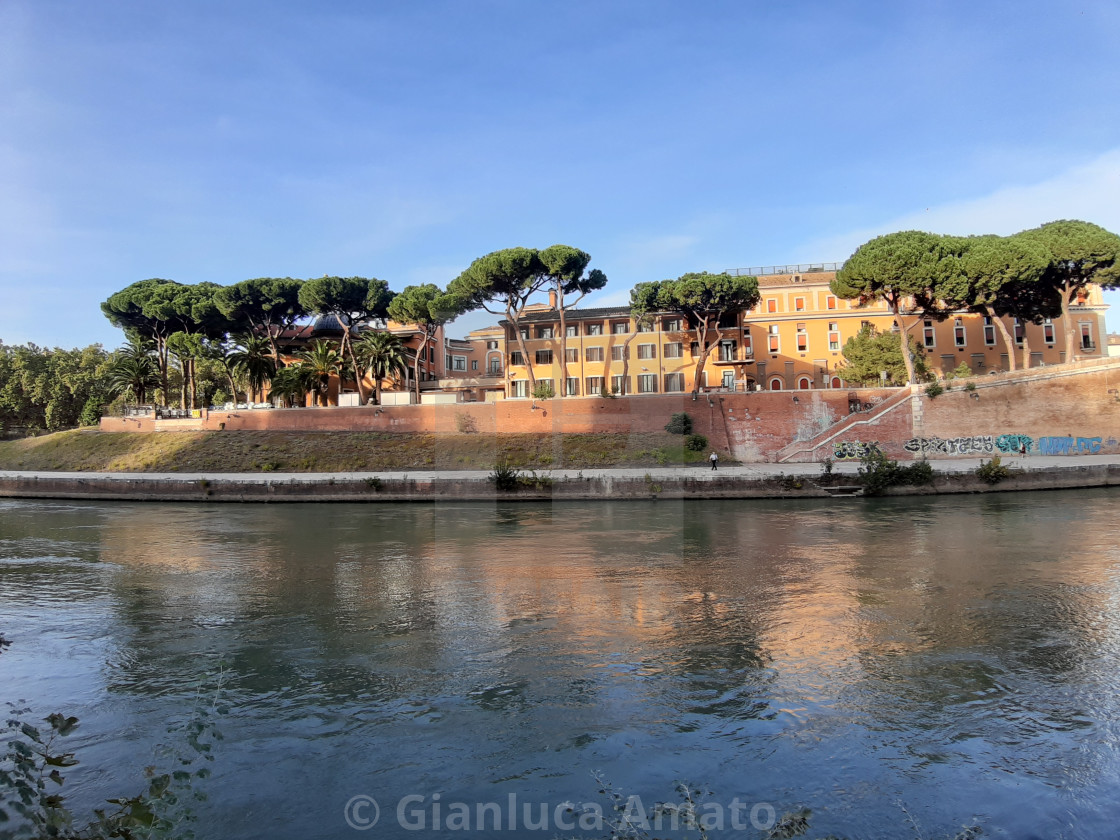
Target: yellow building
(793, 339)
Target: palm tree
(291, 384)
(321, 361)
(382, 355)
(253, 359)
(134, 372)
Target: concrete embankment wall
(659, 484)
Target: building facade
(792, 340)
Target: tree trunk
(162, 361)
(904, 335)
(521, 346)
(704, 351)
(563, 390)
(1026, 350)
(1066, 291)
(416, 365)
(232, 385)
(194, 384)
(349, 350)
(1008, 340)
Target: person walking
(714, 458)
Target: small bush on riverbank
(992, 472)
(877, 472)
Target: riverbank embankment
(747, 481)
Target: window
(593, 354)
(571, 387)
(775, 384)
(594, 386)
(474, 364)
(673, 350)
(727, 351)
(674, 382)
(544, 332)
(525, 334)
(830, 302)
(748, 345)
(671, 324)
(619, 352)
(989, 332)
(519, 388)
(594, 329)
(1087, 336)
(544, 357)
(495, 367)
(1048, 331)
(491, 345)
(834, 335)
(645, 326)
(459, 363)
(958, 333)
(515, 358)
(620, 327)
(802, 339)
(447, 362)
(804, 383)
(728, 381)
(799, 304)
(928, 335)
(774, 342)
(571, 354)
(431, 355)
(647, 351)
(571, 331)
(620, 385)
(1020, 330)
(647, 383)
(728, 320)
(771, 305)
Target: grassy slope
(332, 452)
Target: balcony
(459, 383)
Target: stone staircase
(862, 418)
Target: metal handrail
(800, 268)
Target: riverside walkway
(730, 481)
(695, 472)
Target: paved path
(698, 472)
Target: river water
(900, 667)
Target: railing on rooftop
(802, 268)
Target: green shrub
(543, 391)
(992, 472)
(826, 471)
(506, 478)
(934, 390)
(697, 443)
(679, 424)
(877, 472)
(91, 412)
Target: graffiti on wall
(853, 449)
(1069, 446)
(975, 445)
(992, 444)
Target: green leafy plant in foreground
(33, 797)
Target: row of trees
(178, 325)
(1032, 275)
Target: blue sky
(221, 141)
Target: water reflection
(958, 655)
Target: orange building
(793, 339)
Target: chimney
(551, 298)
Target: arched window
(836, 383)
(776, 384)
(804, 383)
